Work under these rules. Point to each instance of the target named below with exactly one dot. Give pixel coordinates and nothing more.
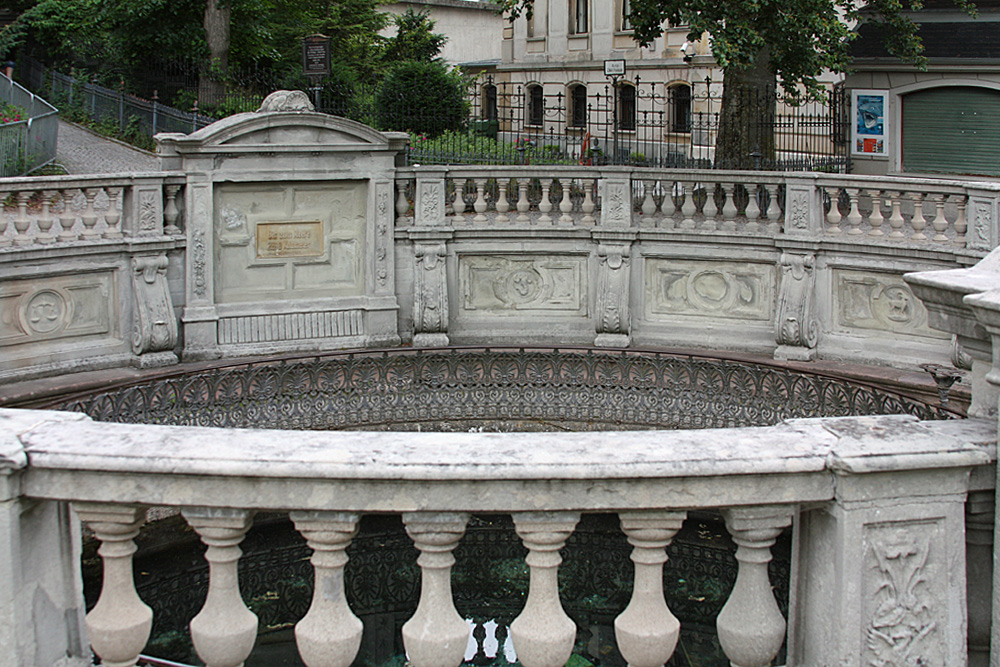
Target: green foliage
(421, 97)
(414, 39)
(10, 113)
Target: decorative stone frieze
(796, 330)
(154, 330)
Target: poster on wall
(870, 128)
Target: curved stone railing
(876, 505)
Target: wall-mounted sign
(614, 68)
(870, 128)
(316, 55)
(279, 240)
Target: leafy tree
(414, 39)
(759, 43)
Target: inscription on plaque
(278, 240)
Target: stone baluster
(224, 631)
(67, 218)
(113, 215)
(566, 203)
(688, 208)
(543, 634)
(752, 210)
(4, 241)
(875, 219)
(329, 635)
(459, 204)
(940, 222)
(896, 220)
(961, 222)
(729, 209)
(436, 636)
(402, 203)
(523, 205)
(502, 205)
(646, 631)
(545, 204)
(751, 628)
(170, 212)
(918, 223)
(45, 219)
(22, 222)
(89, 215)
(773, 213)
(854, 218)
(588, 202)
(648, 203)
(710, 210)
(118, 626)
(480, 205)
(833, 216)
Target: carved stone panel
(290, 241)
(616, 202)
(981, 235)
(498, 285)
(905, 573)
(430, 293)
(881, 301)
(384, 270)
(796, 324)
(736, 290)
(613, 279)
(56, 307)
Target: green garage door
(952, 130)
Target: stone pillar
(154, 325)
(224, 631)
(646, 631)
(751, 628)
(796, 330)
(881, 570)
(543, 634)
(119, 624)
(329, 634)
(436, 636)
(200, 317)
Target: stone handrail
(885, 494)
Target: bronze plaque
(278, 240)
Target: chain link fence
(29, 143)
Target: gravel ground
(81, 152)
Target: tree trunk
(210, 89)
(746, 122)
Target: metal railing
(30, 143)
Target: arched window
(536, 105)
(679, 98)
(578, 106)
(626, 106)
(489, 110)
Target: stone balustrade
(56, 210)
(868, 209)
(876, 506)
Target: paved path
(81, 152)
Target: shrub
(421, 97)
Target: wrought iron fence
(493, 389)
(127, 113)
(634, 122)
(29, 143)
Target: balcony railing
(876, 505)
